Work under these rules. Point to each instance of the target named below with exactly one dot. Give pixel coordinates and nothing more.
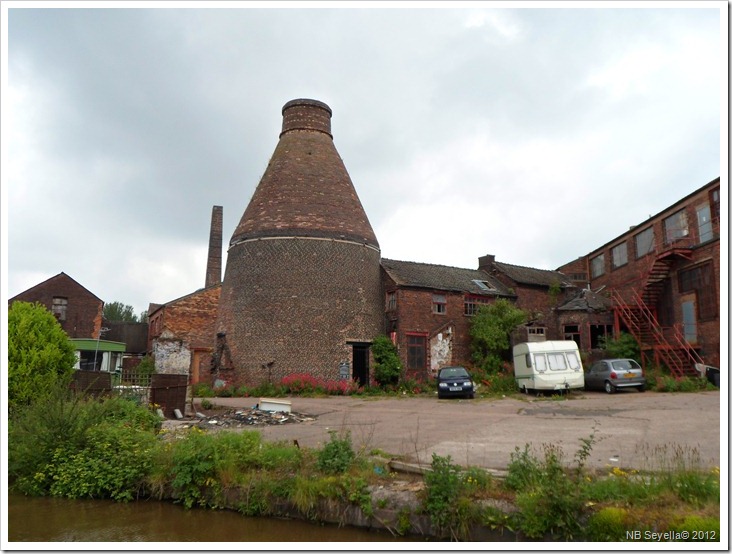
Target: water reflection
(62, 520)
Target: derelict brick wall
(295, 303)
(414, 315)
(193, 318)
(83, 311)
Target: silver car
(611, 375)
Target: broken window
(675, 227)
(473, 303)
(598, 334)
(439, 304)
(572, 332)
(59, 306)
(620, 255)
(644, 243)
(597, 265)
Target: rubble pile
(248, 416)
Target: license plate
(456, 388)
(629, 375)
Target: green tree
(40, 355)
(116, 311)
(490, 332)
(388, 366)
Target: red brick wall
(83, 311)
(414, 314)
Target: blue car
(455, 381)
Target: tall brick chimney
(302, 287)
(213, 264)
(485, 263)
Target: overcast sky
(533, 134)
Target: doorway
(688, 314)
(360, 363)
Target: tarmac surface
(632, 430)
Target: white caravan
(552, 365)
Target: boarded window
(700, 279)
(59, 306)
(439, 304)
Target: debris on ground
(243, 417)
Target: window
(391, 301)
(536, 333)
(557, 361)
(577, 276)
(59, 307)
(644, 243)
(675, 227)
(704, 222)
(620, 255)
(573, 360)
(473, 303)
(597, 265)
(416, 351)
(598, 334)
(700, 279)
(439, 304)
(715, 203)
(572, 332)
(485, 285)
(540, 362)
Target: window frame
(416, 341)
(651, 247)
(439, 304)
(619, 255)
(597, 269)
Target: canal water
(61, 520)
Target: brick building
(663, 279)
(77, 309)
(428, 309)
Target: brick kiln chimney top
(306, 115)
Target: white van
(551, 365)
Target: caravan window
(540, 362)
(573, 360)
(557, 361)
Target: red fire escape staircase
(664, 345)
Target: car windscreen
(453, 372)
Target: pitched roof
(440, 277)
(587, 301)
(533, 276)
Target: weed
(608, 524)
(444, 486)
(337, 455)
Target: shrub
(490, 330)
(608, 524)
(203, 390)
(444, 487)
(300, 383)
(40, 355)
(625, 346)
(337, 455)
(388, 366)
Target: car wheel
(439, 396)
(642, 388)
(471, 395)
(609, 387)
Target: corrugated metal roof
(533, 276)
(440, 277)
